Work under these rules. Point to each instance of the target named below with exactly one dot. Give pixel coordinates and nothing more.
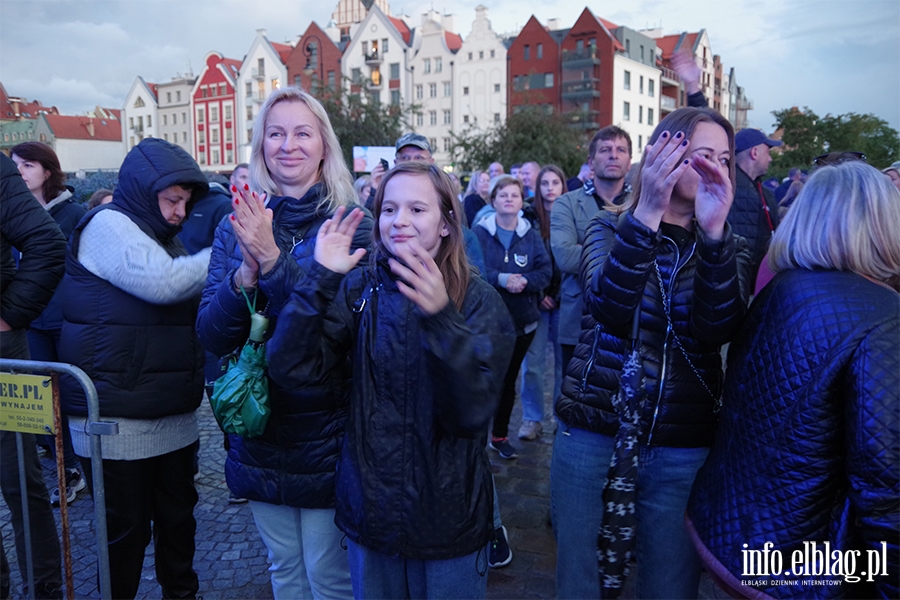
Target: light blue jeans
(377, 575)
(534, 367)
(305, 553)
(667, 564)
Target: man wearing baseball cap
(754, 212)
(413, 146)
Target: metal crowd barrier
(96, 429)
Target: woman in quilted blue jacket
(805, 469)
(667, 262)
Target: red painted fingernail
(237, 200)
(234, 189)
(232, 217)
(246, 188)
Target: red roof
(666, 45)
(233, 65)
(283, 50)
(154, 89)
(79, 128)
(402, 28)
(454, 41)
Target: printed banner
(26, 403)
(366, 157)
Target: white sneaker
(530, 430)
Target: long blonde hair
(333, 170)
(451, 257)
(846, 218)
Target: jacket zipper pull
(506, 257)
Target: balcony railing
(583, 119)
(670, 76)
(667, 103)
(584, 88)
(578, 58)
(373, 59)
(258, 74)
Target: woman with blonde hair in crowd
(807, 448)
(264, 249)
(477, 195)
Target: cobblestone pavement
(231, 561)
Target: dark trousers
(44, 541)
(508, 396)
(161, 490)
(568, 351)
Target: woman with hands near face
(668, 258)
(430, 343)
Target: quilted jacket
(293, 462)
(413, 479)
(808, 444)
(748, 220)
(706, 285)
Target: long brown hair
(684, 120)
(541, 212)
(44, 154)
(451, 257)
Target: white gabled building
(480, 93)
(175, 119)
(139, 113)
(377, 59)
(262, 71)
(433, 74)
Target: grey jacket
(569, 219)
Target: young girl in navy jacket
(429, 342)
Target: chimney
(90, 127)
(553, 24)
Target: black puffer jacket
(808, 444)
(748, 219)
(707, 286)
(413, 479)
(26, 226)
(293, 462)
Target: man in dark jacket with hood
(129, 324)
(24, 292)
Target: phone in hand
(384, 165)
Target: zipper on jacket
(590, 362)
(665, 350)
(506, 255)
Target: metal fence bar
(26, 513)
(96, 428)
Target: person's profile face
(413, 153)
(240, 177)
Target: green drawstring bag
(240, 398)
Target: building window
(384, 45)
(227, 112)
(432, 142)
(139, 103)
(215, 157)
(651, 84)
(184, 137)
(228, 135)
(470, 56)
(420, 119)
(250, 135)
(149, 121)
(640, 114)
(642, 53)
(331, 79)
(169, 97)
(249, 88)
(626, 111)
(276, 83)
(447, 117)
(465, 118)
(527, 52)
(493, 54)
(497, 118)
(213, 114)
(201, 156)
(432, 117)
(261, 67)
(204, 92)
(184, 117)
(640, 141)
(355, 75)
(201, 137)
(649, 116)
(229, 156)
(438, 64)
(446, 144)
(432, 90)
(214, 135)
(178, 96)
(365, 48)
(447, 89)
(540, 51)
(481, 55)
(131, 140)
(395, 70)
(212, 91)
(166, 136)
(628, 48)
(548, 80)
(465, 91)
(199, 114)
(496, 88)
(419, 91)
(579, 46)
(395, 97)
(641, 84)
(426, 65)
(165, 120)
(249, 113)
(627, 80)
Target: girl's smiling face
(411, 211)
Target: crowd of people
(372, 478)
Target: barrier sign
(26, 403)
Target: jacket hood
(490, 223)
(66, 195)
(150, 167)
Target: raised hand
(684, 64)
(422, 282)
(664, 164)
(714, 196)
(252, 223)
(334, 240)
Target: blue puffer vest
(144, 359)
(293, 462)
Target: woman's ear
(445, 231)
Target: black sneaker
(74, 483)
(503, 446)
(500, 554)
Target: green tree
(359, 121)
(530, 134)
(806, 136)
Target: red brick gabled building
(315, 57)
(213, 99)
(533, 68)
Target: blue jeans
(667, 564)
(304, 544)
(534, 367)
(377, 575)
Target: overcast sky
(835, 56)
